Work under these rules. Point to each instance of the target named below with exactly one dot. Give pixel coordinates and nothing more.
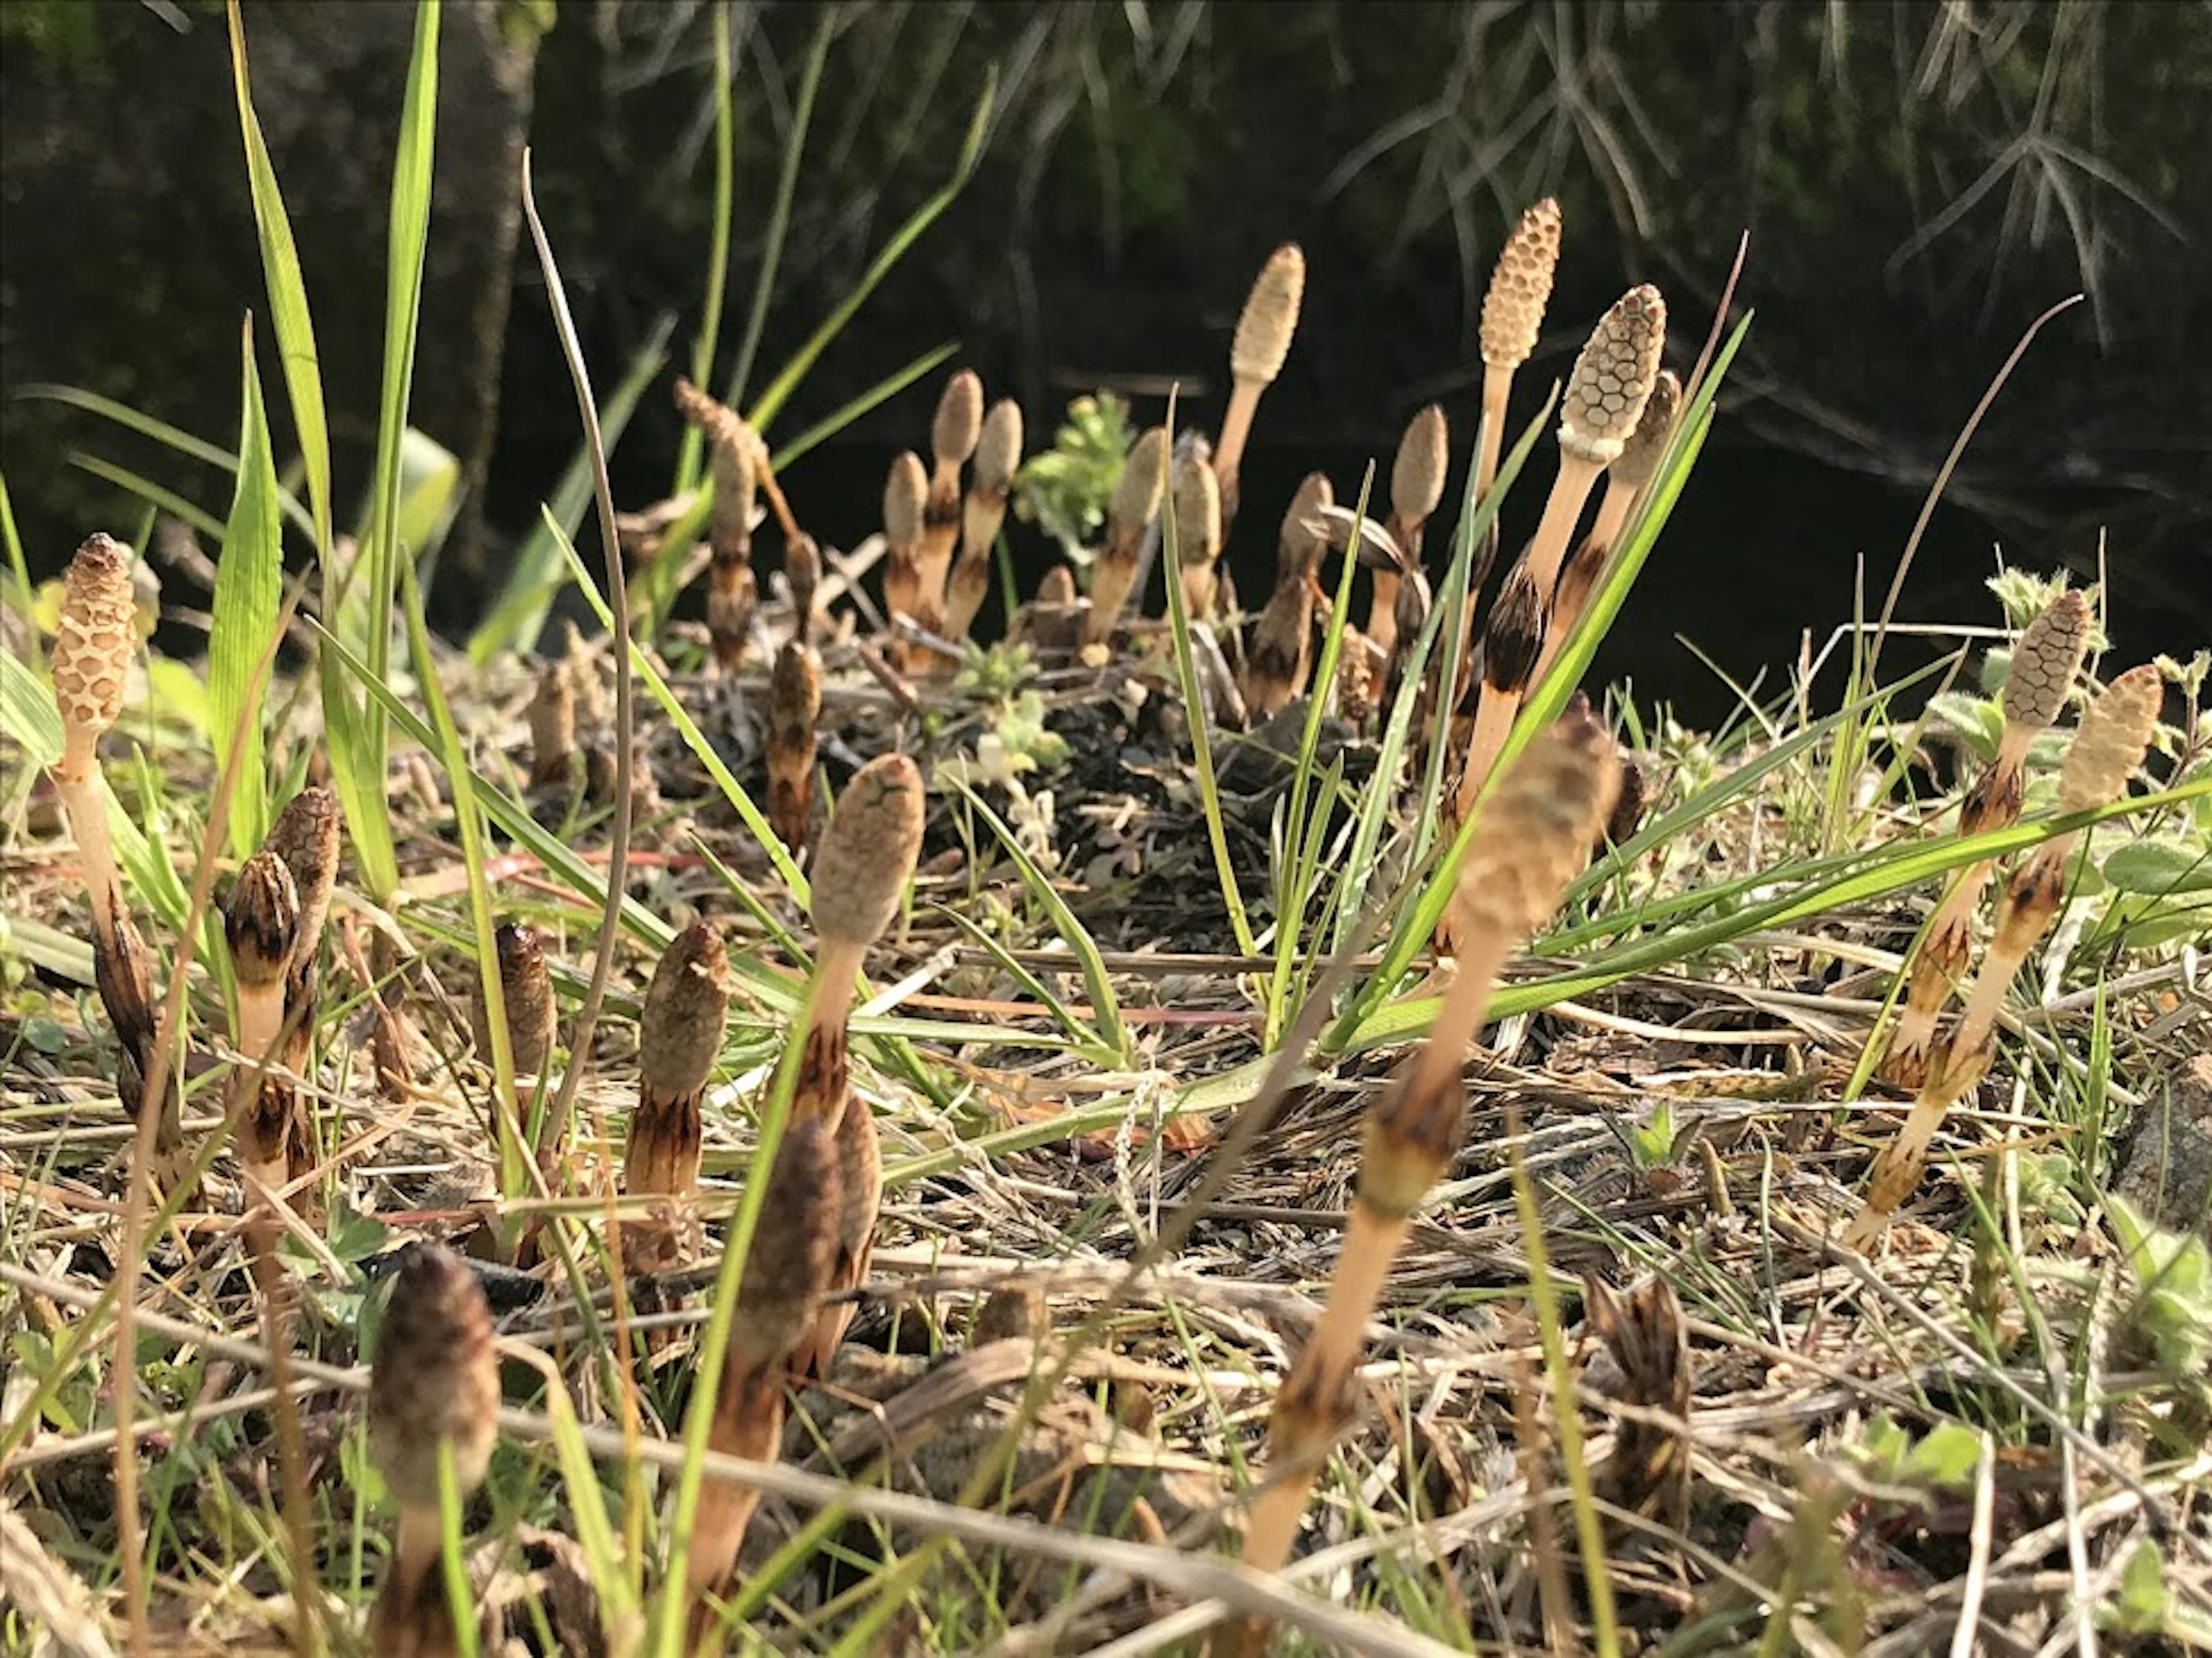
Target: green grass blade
(779, 220)
(288, 294)
(204, 523)
(518, 620)
(718, 250)
(780, 389)
(248, 580)
(18, 566)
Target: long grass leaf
(718, 247)
(248, 580)
(287, 295)
(780, 389)
(164, 500)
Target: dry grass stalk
(1626, 481)
(1534, 838)
(679, 1037)
(794, 704)
(1280, 656)
(1196, 502)
(93, 640)
(862, 864)
(906, 594)
(952, 438)
(734, 451)
(434, 1383)
(998, 457)
(790, 1267)
(553, 728)
(2043, 664)
(1136, 499)
(1262, 341)
(2114, 736)
(262, 925)
(1606, 394)
(1417, 484)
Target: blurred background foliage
(1918, 182)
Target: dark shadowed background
(1919, 181)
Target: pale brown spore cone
(1135, 500)
(552, 715)
(2110, 745)
(906, 593)
(802, 565)
(94, 640)
(1054, 622)
(2044, 665)
(868, 852)
(1265, 329)
(990, 483)
(434, 1382)
(1278, 656)
(526, 988)
(952, 438)
(789, 1267)
(679, 1038)
(733, 454)
(1417, 484)
(261, 925)
(1197, 506)
(794, 704)
(1533, 839)
(1512, 317)
(1626, 481)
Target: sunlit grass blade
(718, 247)
(1097, 982)
(249, 577)
(780, 389)
(1091, 1045)
(779, 218)
(515, 622)
(18, 566)
(203, 522)
(287, 295)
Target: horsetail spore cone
(261, 924)
(306, 835)
(952, 438)
(733, 450)
(552, 715)
(1533, 837)
(1280, 656)
(906, 503)
(794, 704)
(1512, 317)
(1197, 504)
(679, 1037)
(2044, 665)
(1136, 498)
(1417, 484)
(1262, 341)
(2115, 735)
(434, 1384)
(526, 988)
(998, 457)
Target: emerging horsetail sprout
(306, 835)
(1644, 1360)
(553, 728)
(794, 704)
(433, 1395)
(1533, 837)
(1625, 480)
(526, 989)
(92, 641)
(1262, 341)
(998, 457)
(2044, 665)
(790, 1267)
(906, 501)
(1417, 484)
(952, 438)
(678, 1037)
(1136, 499)
(262, 924)
(1197, 506)
(732, 450)
(1611, 383)
(1279, 655)
(866, 857)
(2114, 736)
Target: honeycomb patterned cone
(2114, 737)
(998, 448)
(680, 1031)
(1613, 376)
(1270, 317)
(93, 643)
(1416, 477)
(954, 434)
(1640, 456)
(1521, 287)
(436, 1378)
(867, 852)
(526, 988)
(2043, 664)
(1537, 828)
